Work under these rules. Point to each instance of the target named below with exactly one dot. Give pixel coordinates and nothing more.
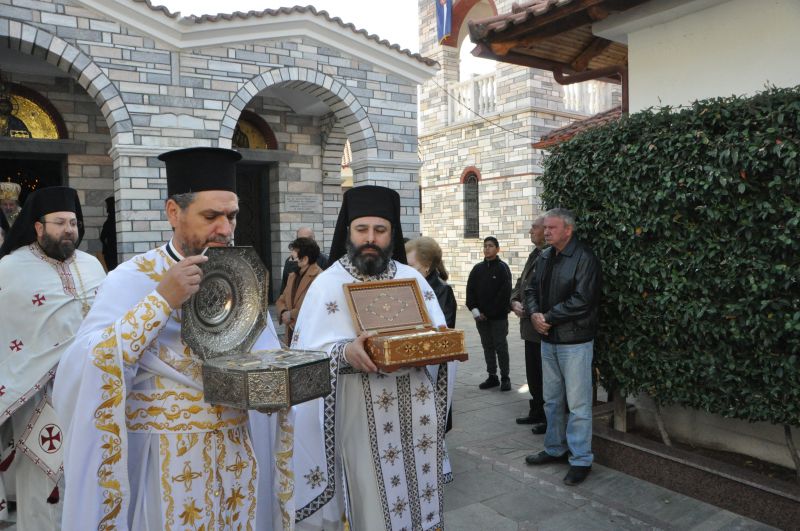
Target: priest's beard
(369, 264)
(58, 249)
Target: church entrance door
(252, 223)
(31, 174)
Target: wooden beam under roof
(531, 61)
(595, 48)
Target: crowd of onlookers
(556, 300)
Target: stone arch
(470, 170)
(37, 42)
(345, 106)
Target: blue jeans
(567, 376)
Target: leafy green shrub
(695, 216)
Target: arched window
(469, 180)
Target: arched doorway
(313, 115)
(86, 115)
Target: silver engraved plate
(228, 313)
(267, 380)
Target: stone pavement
(493, 488)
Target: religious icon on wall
(252, 132)
(21, 116)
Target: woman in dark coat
(425, 255)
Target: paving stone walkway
(493, 489)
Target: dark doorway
(252, 223)
(31, 174)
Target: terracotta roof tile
(239, 15)
(519, 14)
(163, 9)
(562, 134)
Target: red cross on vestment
(16, 345)
(38, 299)
(49, 436)
(2, 390)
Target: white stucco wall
(735, 47)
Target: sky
(397, 24)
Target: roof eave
(184, 33)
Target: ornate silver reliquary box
(222, 322)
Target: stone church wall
(130, 97)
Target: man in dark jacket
(533, 353)
(562, 300)
(488, 294)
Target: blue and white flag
(444, 18)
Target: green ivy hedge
(695, 215)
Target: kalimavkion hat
(200, 169)
(40, 203)
(364, 201)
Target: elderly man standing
(143, 448)
(9, 201)
(46, 288)
(385, 431)
(563, 299)
(533, 352)
(9, 206)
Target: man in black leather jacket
(562, 300)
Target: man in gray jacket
(533, 354)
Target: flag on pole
(444, 18)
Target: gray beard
(368, 264)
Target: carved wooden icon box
(403, 333)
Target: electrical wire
(476, 113)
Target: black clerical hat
(40, 203)
(200, 169)
(364, 201)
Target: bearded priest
(384, 461)
(47, 286)
(143, 448)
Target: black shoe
(535, 415)
(540, 428)
(491, 381)
(542, 458)
(505, 384)
(576, 475)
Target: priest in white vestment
(143, 449)
(383, 462)
(46, 288)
